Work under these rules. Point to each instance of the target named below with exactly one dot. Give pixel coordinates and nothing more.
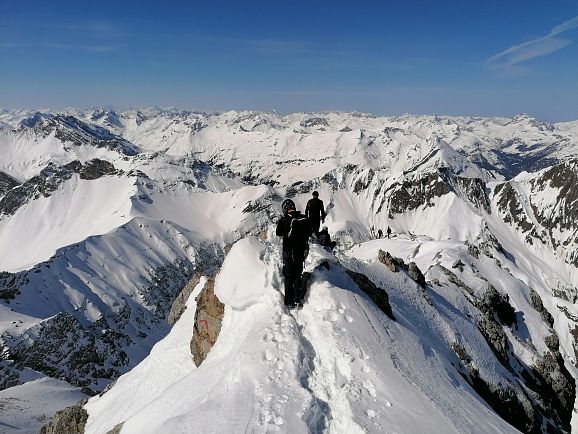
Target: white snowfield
(112, 252)
(338, 365)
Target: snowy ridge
(303, 373)
(108, 213)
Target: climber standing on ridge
(315, 211)
(295, 229)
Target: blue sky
(424, 57)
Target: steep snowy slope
(105, 215)
(334, 365)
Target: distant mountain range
(106, 216)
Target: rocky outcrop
(377, 295)
(71, 420)
(72, 130)
(49, 179)
(179, 305)
(208, 319)
(96, 168)
(386, 259)
(61, 347)
(7, 183)
(117, 428)
(458, 264)
(498, 304)
(314, 122)
(537, 303)
(412, 194)
(422, 192)
(415, 273)
(395, 264)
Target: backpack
(299, 231)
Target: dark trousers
(292, 269)
(315, 222)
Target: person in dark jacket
(325, 239)
(295, 229)
(315, 211)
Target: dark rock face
(458, 264)
(386, 259)
(377, 295)
(7, 183)
(499, 304)
(208, 319)
(164, 285)
(10, 284)
(49, 179)
(537, 303)
(69, 129)
(97, 168)
(9, 376)
(179, 305)
(413, 194)
(71, 420)
(556, 214)
(61, 347)
(512, 209)
(363, 182)
(314, 122)
(556, 387)
(415, 273)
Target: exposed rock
(69, 129)
(61, 347)
(386, 259)
(413, 194)
(514, 407)
(377, 295)
(416, 274)
(116, 429)
(314, 122)
(499, 304)
(9, 376)
(208, 319)
(363, 181)
(96, 168)
(552, 342)
(452, 278)
(179, 305)
(556, 387)
(496, 339)
(49, 179)
(511, 208)
(71, 420)
(537, 303)
(7, 183)
(164, 284)
(10, 284)
(458, 264)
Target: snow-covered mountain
(112, 221)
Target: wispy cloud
(100, 29)
(58, 46)
(510, 58)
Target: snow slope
(119, 208)
(334, 365)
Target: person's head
(288, 206)
(315, 194)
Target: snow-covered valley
(110, 220)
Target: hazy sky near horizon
(423, 57)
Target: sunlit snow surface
(338, 365)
